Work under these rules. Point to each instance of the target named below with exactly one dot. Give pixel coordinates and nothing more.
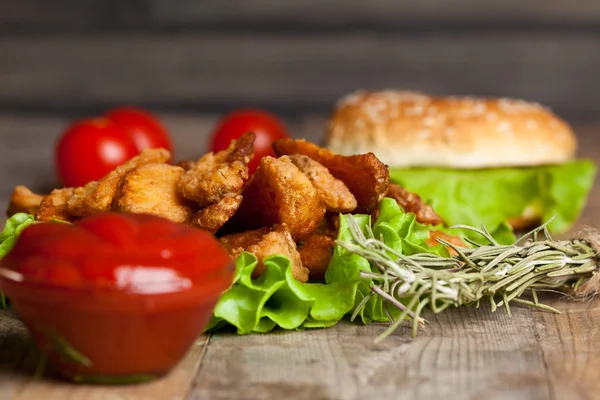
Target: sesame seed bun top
(406, 129)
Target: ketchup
(115, 297)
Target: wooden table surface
(463, 354)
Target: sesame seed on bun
(413, 129)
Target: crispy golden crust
(216, 176)
(412, 203)
(82, 202)
(242, 240)
(152, 189)
(54, 206)
(213, 217)
(365, 176)
(98, 196)
(329, 226)
(279, 242)
(263, 243)
(413, 129)
(186, 164)
(24, 200)
(316, 252)
(280, 194)
(335, 194)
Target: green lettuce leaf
(8, 237)
(12, 229)
(276, 299)
(491, 196)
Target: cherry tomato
(144, 128)
(266, 126)
(90, 149)
(129, 292)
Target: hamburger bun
(410, 129)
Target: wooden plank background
(70, 56)
(86, 15)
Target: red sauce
(115, 297)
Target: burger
(505, 163)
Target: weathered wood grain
(294, 71)
(378, 13)
(463, 354)
(35, 14)
(90, 15)
(212, 55)
(570, 350)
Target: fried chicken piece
(98, 196)
(329, 226)
(455, 240)
(316, 252)
(265, 242)
(24, 200)
(335, 194)
(152, 189)
(54, 206)
(280, 194)
(217, 175)
(213, 217)
(241, 240)
(186, 164)
(365, 176)
(279, 242)
(412, 203)
(83, 202)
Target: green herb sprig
(499, 273)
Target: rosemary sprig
(502, 273)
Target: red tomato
(144, 128)
(129, 293)
(266, 126)
(90, 149)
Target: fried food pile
(290, 206)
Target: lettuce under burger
(500, 162)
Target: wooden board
(569, 348)
(377, 14)
(293, 72)
(462, 354)
(212, 55)
(90, 15)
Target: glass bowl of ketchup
(115, 298)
